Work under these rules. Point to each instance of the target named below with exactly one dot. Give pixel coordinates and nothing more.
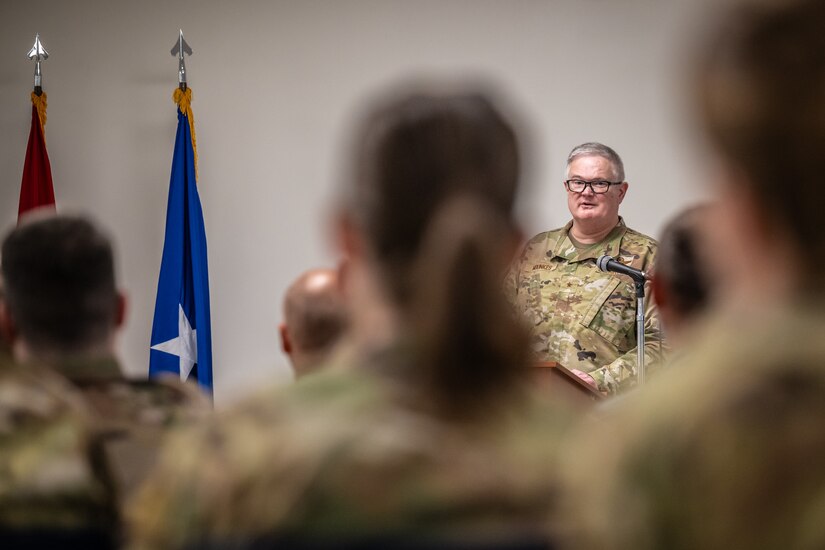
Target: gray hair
(596, 149)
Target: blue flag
(181, 332)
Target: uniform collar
(97, 369)
(566, 250)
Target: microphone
(606, 263)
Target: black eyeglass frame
(591, 184)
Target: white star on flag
(185, 346)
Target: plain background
(275, 87)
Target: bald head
(314, 318)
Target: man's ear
(623, 191)
(120, 311)
(8, 331)
(286, 343)
(343, 276)
(348, 239)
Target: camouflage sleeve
(621, 374)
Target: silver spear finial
(180, 48)
(38, 53)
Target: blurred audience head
(428, 216)
(683, 281)
(417, 154)
(762, 95)
(60, 296)
(315, 318)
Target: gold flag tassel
(39, 101)
(183, 99)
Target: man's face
(587, 206)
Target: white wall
(274, 87)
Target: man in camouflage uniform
(62, 310)
(579, 316)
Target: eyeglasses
(598, 187)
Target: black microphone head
(601, 263)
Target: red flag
(37, 189)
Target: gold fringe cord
(39, 101)
(184, 101)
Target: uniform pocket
(612, 314)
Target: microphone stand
(640, 331)
(606, 263)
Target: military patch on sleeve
(583, 354)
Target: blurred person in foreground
(580, 316)
(684, 280)
(425, 426)
(315, 319)
(62, 310)
(727, 450)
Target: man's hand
(586, 377)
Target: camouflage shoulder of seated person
(52, 473)
(158, 403)
(131, 418)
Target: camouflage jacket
(337, 455)
(726, 451)
(579, 316)
(132, 417)
(52, 475)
